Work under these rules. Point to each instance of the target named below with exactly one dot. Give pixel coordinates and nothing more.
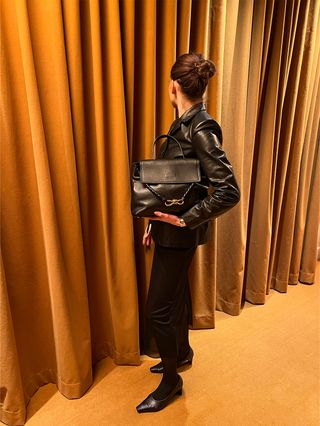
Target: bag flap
(170, 171)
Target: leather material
(171, 186)
(168, 185)
(170, 171)
(158, 368)
(150, 404)
(200, 136)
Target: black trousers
(169, 309)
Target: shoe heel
(179, 392)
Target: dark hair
(192, 72)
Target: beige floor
(258, 368)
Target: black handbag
(167, 185)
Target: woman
(169, 310)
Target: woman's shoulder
(204, 121)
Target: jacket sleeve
(218, 170)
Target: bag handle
(166, 135)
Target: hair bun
(192, 72)
(205, 69)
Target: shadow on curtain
(84, 93)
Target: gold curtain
(83, 94)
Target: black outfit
(169, 310)
(200, 137)
(168, 304)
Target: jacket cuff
(191, 221)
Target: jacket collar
(186, 116)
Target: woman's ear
(174, 87)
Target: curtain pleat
(200, 25)
(288, 165)
(165, 56)
(184, 9)
(231, 229)
(127, 33)
(308, 184)
(84, 92)
(12, 393)
(307, 265)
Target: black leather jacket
(200, 137)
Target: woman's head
(192, 73)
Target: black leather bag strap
(166, 135)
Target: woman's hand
(166, 217)
(163, 217)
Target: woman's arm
(220, 173)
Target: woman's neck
(183, 105)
